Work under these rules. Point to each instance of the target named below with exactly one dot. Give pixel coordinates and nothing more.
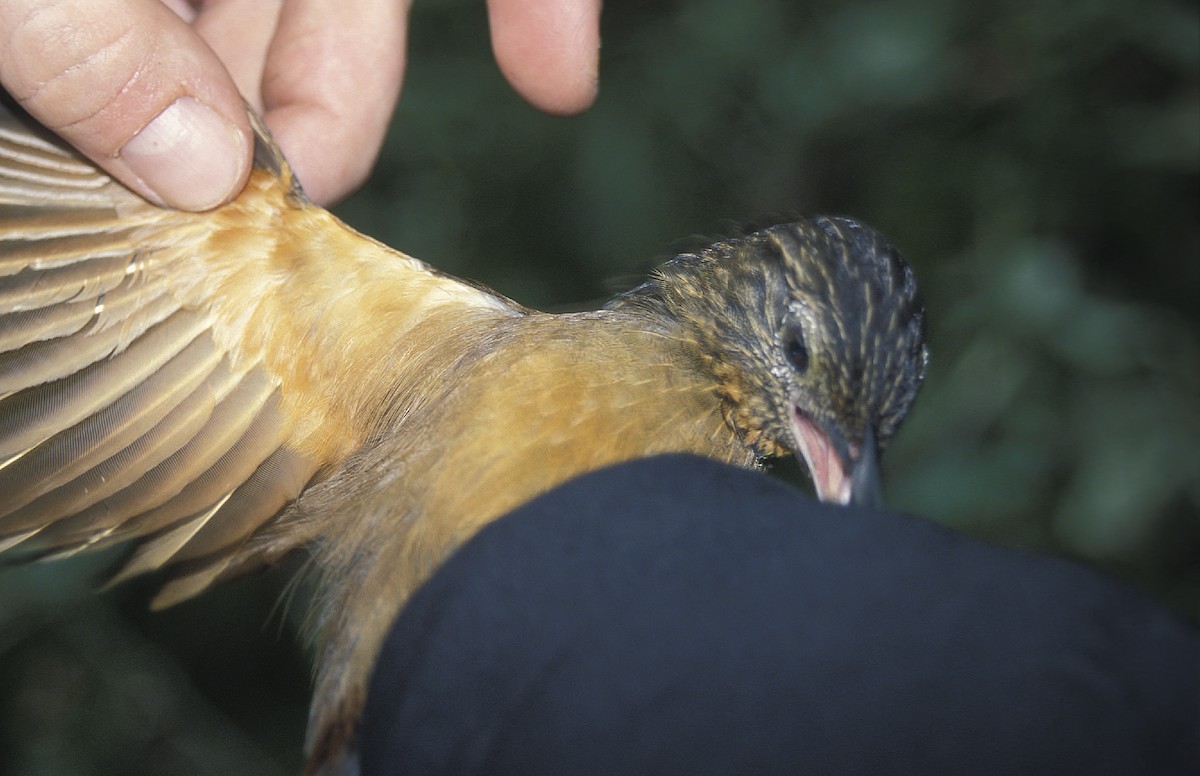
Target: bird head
(814, 331)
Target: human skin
(154, 91)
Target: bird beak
(843, 473)
(866, 486)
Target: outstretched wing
(181, 377)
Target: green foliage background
(1038, 164)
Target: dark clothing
(677, 616)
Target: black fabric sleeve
(676, 616)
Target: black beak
(866, 488)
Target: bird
(222, 389)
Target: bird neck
(727, 313)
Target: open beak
(843, 472)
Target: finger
(549, 50)
(134, 89)
(239, 32)
(330, 87)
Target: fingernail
(188, 157)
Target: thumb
(133, 88)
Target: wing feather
(168, 330)
(95, 502)
(127, 424)
(180, 378)
(32, 289)
(36, 409)
(118, 516)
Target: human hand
(149, 90)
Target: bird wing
(180, 378)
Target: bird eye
(795, 350)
